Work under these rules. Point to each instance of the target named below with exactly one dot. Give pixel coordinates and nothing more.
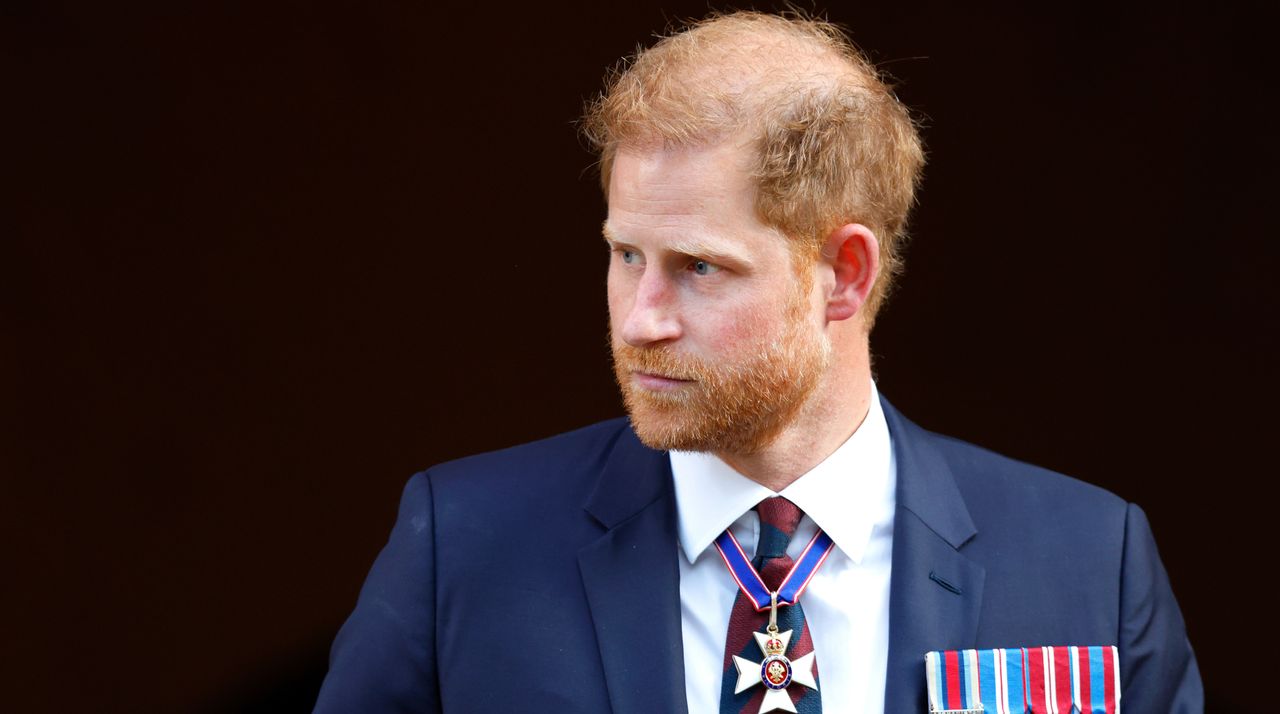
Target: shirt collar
(842, 494)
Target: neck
(832, 413)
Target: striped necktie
(778, 520)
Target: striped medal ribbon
(1017, 680)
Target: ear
(853, 254)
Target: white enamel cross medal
(775, 672)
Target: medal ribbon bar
(1027, 679)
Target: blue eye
(702, 267)
(629, 256)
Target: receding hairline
(760, 61)
(768, 56)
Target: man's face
(717, 342)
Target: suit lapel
(935, 592)
(632, 580)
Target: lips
(659, 375)
(655, 370)
(658, 382)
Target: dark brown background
(262, 261)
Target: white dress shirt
(850, 495)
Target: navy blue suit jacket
(543, 578)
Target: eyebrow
(609, 237)
(690, 247)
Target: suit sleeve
(384, 658)
(1158, 670)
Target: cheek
(612, 286)
(730, 332)
(619, 298)
(741, 330)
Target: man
(758, 175)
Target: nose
(653, 314)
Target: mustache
(659, 361)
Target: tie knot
(778, 520)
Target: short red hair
(833, 143)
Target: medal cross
(775, 671)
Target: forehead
(718, 169)
(687, 194)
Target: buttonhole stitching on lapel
(949, 586)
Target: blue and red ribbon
(793, 585)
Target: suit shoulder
(577, 453)
(986, 476)
(1035, 527)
